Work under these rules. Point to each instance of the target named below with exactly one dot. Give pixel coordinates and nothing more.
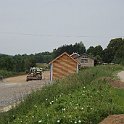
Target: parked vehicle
(35, 73)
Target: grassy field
(84, 98)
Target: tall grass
(84, 98)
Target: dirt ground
(14, 89)
(22, 78)
(116, 119)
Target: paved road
(121, 76)
(15, 89)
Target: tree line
(21, 63)
(114, 53)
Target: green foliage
(107, 56)
(85, 98)
(96, 52)
(77, 47)
(21, 63)
(90, 50)
(17, 63)
(119, 56)
(44, 66)
(44, 57)
(114, 51)
(6, 73)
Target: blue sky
(32, 26)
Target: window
(84, 56)
(84, 60)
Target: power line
(41, 35)
(52, 35)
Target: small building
(62, 66)
(75, 55)
(84, 60)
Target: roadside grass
(6, 73)
(120, 96)
(84, 98)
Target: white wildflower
(82, 108)
(79, 121)
(63, 109)
(58, 121)
(39, 121)
(75, 122)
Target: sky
(33, 26)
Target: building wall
(86, 62)
(63, 66)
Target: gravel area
(121, 76)
(13, 89)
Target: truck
(35, 73)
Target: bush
(6, 73)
